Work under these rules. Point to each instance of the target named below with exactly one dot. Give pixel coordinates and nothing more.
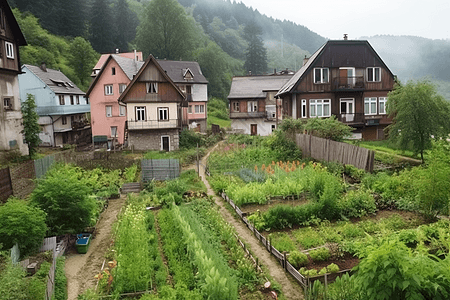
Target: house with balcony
(345, 78)
(11, 37)
(188, 76)
(62, 107)
(253, 106)
(108, 117)
(154, 109)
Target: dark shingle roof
(129, 66)
(176, 70)
(256, 86)
(55, 80)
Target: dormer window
(152, 87)
(321, 75)
(188, 75)
(9, 50)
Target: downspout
(53, 130)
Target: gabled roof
(291, 85)
(177, 70)
(256, 86)
(12, 22)
(55, 80)
(149, 59)
(104, 57)
(129, 66)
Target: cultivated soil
(81, 268)
(290, 289)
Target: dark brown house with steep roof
(345, 78)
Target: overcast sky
(333, 18)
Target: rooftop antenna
(345, 36)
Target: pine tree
(126, 22)
(102, 27)
(31, 127)
(256, 54)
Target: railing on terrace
(242, 115)
(153, 124)
(351, 118)
(348, 83)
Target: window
(321, 75)
(370, 106)
(78, 99)
(108, 111)
(382, 103)
(122, 110)
(199, 109)
(373, 74)
(303, 108)
(113, 131)
(71, 100)
(140, 113)
(87, 100)
(63, 120)
(163, 113)
(122, 88)
(9, 50)
(235, 106)
(273, 128)
(319, 108)
(7, 103)
(152, 87)
(61, 100)
(108, 89)
(113, 71)
(252, 106)
(190, 109)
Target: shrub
(323, 271)
(23, 224)
(321, 254)
(60, 280)
(328, 128)
(297, 259)
(409, 237)
(334, 167)
(190, 139)
(37, 285)
(332, 268)
(308, 237)
(357, 203)
(284, 148)
(310, 273)
(354, 172)
(12, 283)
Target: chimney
(345, 36)
(135, 56)
(117, 50)
(305, 60)
(43, 66)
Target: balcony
(77, 125)
(153, 124)
(353, 83)
(248, 115)
(358, 118)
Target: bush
(190, 139)
(297, 259)
(321, 254)
(328, 128)
(284, 148)
(357, 203)
(12, 283)
(60, 280)
(323, 271)
(332, 268)
(37, 285)
(409, 237)
(22, 224)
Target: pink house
(107, 116)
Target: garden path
(290, 289)
(81, 268)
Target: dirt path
(290, 290)
(81, 268)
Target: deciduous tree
(419, 115)
(31, 127)
(82, 58)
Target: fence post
(326, 284)
(284, 260)
(256, 267)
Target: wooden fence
(328, 150)
(6, 188)
(58, 250)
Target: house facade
(253, 104)
(135, 55)
(344, 78)
(154, 109)
(11, 124)
(188, 76)
(107, 116)
(61, 106)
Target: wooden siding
(166, 93)
(8, 36)
(151, 73)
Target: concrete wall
(264, 128)
(143, 140)
(200, 92)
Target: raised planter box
(82, 243)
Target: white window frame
(9, 50)
(140, 113)
(109, 89)
(370, 101)
(62, 100)
(382, 105)
(116, 134)
(8, 103)
(163, 114)
(199, 109)
(322, 79)
(122, 88)
(372, 70)
(64, 120)
(236, 106)
(252, 106)
(78, 99)
(152, 87)
(304, 111)
(108, 111)
(122, 110)
(318, 105)
(347, 100)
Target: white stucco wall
(264, 128)
(200, 92)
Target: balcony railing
(153, 124)
(357, 118)
(348, 83)
(244, 115)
